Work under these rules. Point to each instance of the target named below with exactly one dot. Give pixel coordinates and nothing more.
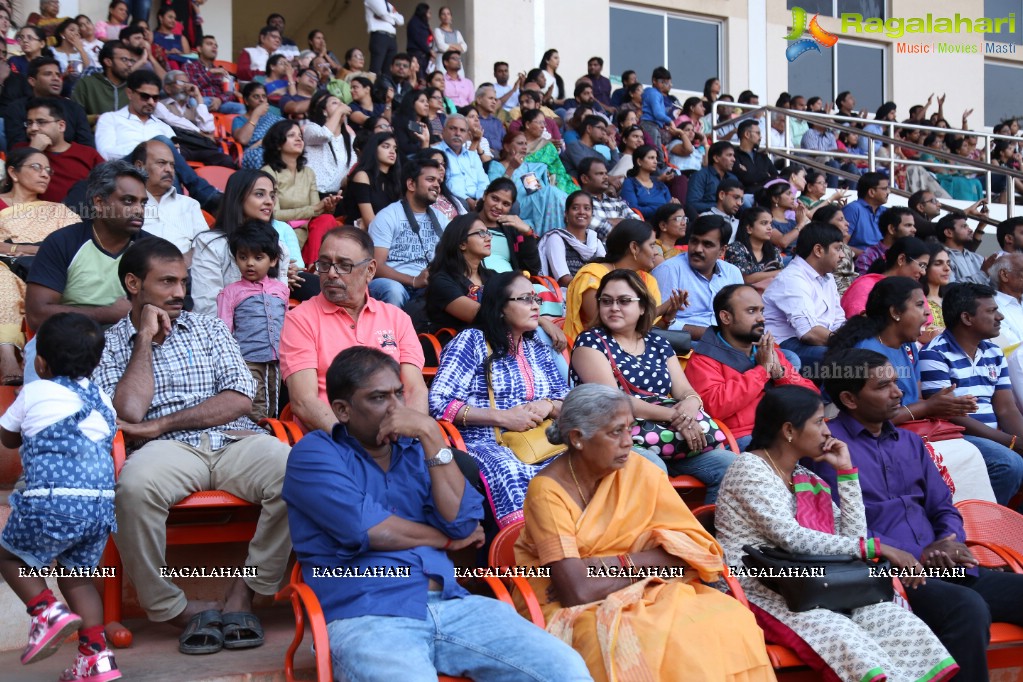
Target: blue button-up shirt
(863, 228)
(493, 130)
(465, 176)
(908, 504)
(335, 493)
(677, 273)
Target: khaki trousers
(164, 472)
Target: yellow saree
(653, 630)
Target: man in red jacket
(732, 367)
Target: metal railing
(875, 161)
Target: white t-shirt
(42, 403)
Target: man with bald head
(343, 315)
(465, 175)
(1007, 280)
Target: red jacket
(731, 396)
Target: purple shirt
(908, 504)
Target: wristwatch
(443, 456)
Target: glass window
(1002, 102)
(693, 48)
(836, 8)
(812, 7)
(861, 72)
(637, 42)
(813, 75)
(1002, 8)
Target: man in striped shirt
(964, 357)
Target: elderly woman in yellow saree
(24, 223)
(587, 524)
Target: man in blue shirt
(862, 214)
(700, 272)
(702, 194)
(465, 175)
(373, 507)
(909, 507)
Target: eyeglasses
(39, 122)
(38, 168)
(126, 60)
(922, 266)
(27, 36)
(680, 218)
(621, 301)
(324, 267)
(528, 299)
(482, 233)
(147, 97)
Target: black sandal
(203, 634)
(242, 630)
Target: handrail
(873, 162)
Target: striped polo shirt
(943, 362)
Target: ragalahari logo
(818, 36)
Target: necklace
(98, 240)
(638, 346)
(578, 487)
(780, 474)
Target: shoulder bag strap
(622, 381)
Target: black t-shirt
(360, 193)
(446, 287)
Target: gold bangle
(911, 416)
(465, 415)
(14, 247)
(1012, 443)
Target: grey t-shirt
(408, 254)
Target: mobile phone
(415, 127)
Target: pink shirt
(461, 91)
(854, 301)
(317, 330)
(236, 292)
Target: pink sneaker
(48, 631)
(99, 667)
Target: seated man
(46, 80)
(895, 223)
(99, 93)
(406, 234)
(181, 391)
(909, 507)
(801, 305)
(729, 203)
(955, 233)
(486, 105)
(341, 316)
(737, 360)
(185, 112)
(169, 214)
(608, 209)
(358, 503)
(210, 78)
(700, 272)
(1006, 275)
(864, 214)
(148, 57)
(592, 132)
(457, 87)
(465, 176)
(964, 357)
(703, 184)
(252, 60)
(752, 166)
(71, 162)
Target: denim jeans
(474, 636)
(29, 354)
(809, 356)
(1004, 467)
(226, 107)
(390, 291)
(743, 442)
(709, 468)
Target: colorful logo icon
(818, 36)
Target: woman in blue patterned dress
(527, 387)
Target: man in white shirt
(729, 203)
(119, 132)
(169, 214)
(1007, 280)
(507, 94)
(801, 305)
(381, 21)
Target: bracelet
(465, 415)
(14, 247)
(694, 394)
(1012, 443)
(446, 545)
(550, 414)
(911, 415)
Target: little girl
(65, 428)
(254, 308)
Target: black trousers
(382, 48)
(960, 613)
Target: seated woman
(477, 143)
(621, 351)
(279, 79)
(564, 251)
(249, 195)
(355, 65)
(895, 313)
(767, 498)
(907, 257)
(584, 513)
(939, 274)
(25, 222)
(815, 187)
(541, 204)
(436, 117)
(641, 189)
(779, 200)
(436, 81)
(117, 19)
(539, 149)
(298, 201)
(458, 274)
(686, 152)
(412, 124)
(70, 52)
(514, 245)
(632, 245)
(447, 203)
(670, 222)
(752, 251)
(497, 376)
(375, 181)
(632, 139)
(362, 104)
(329, 154)
(249, 130)
(295, 105)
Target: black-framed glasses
(147, 97)
(482, 233)
(528, 299)
(621, 301)
(324, 267)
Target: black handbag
(810, 581)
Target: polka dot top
(648, 371)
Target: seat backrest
(502, 549)
(705, 515)
(215, 175)
(993, 523)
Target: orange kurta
(653, 630)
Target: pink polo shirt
(461, 91)
(317, 330)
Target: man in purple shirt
(909, 507)
(601, 83)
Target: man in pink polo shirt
(341, 316)
(459, 90)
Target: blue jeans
(709, 468)
(474, 636)
(29, 354)
(743, 442)
(139, 9)
(1004, 467)
(809, 355)
(226, 107)
(793, 359)
(390, 291)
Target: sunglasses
(147, 97)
